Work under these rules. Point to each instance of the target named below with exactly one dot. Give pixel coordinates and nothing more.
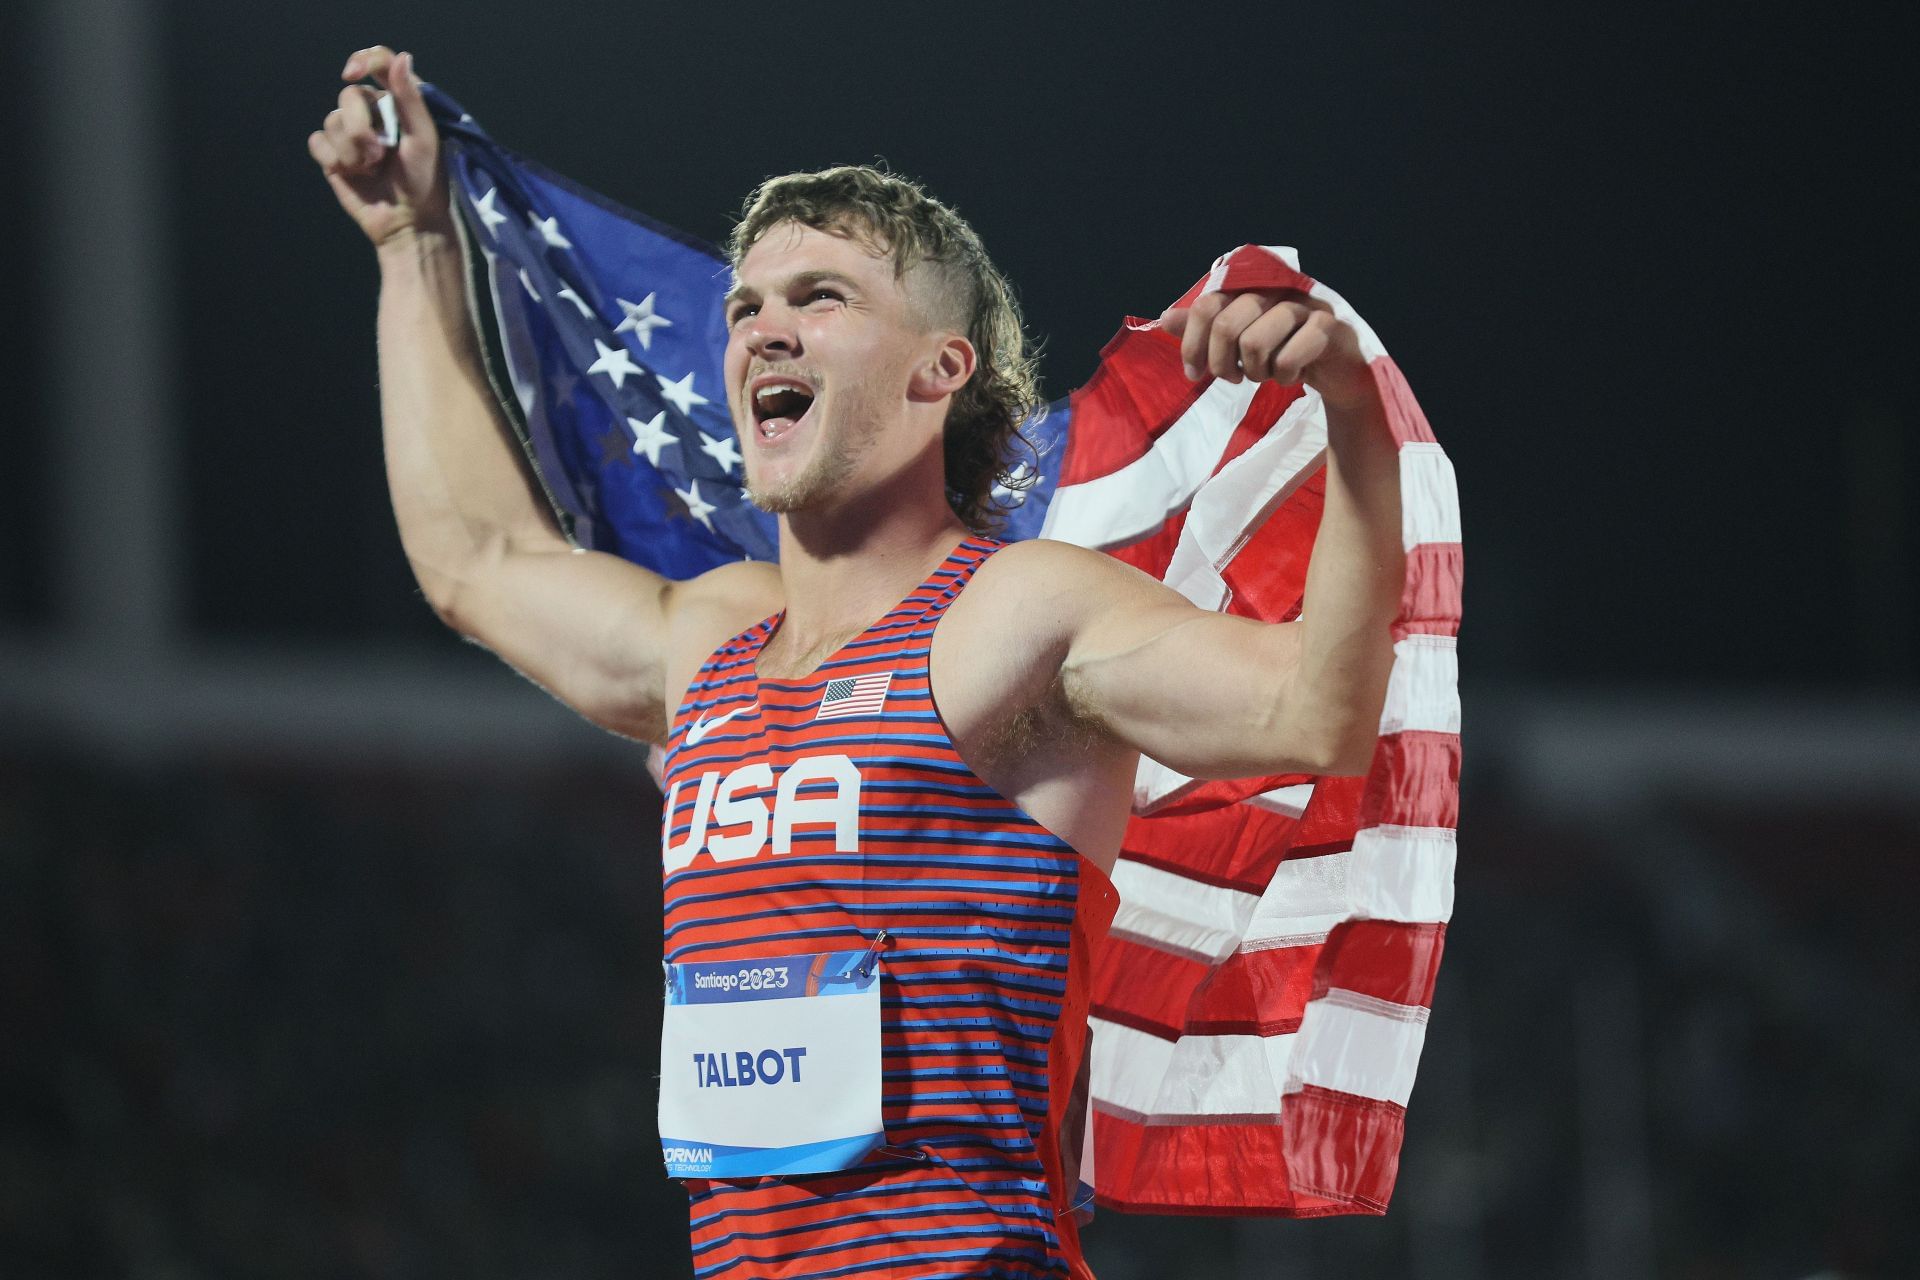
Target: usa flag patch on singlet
(854, 696)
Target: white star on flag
(614, 362)
(722, 450)
(527, 284)
(642, 320)
(697, 507)
(549, 229)
(577, 301)
(651, 436)
(490, 217)
(681, 392)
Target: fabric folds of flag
(603, 335)
(1260, 1007)
(1261, 1003)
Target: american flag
(854, 696)
(604, 341)
(1259, 1010)
(1260, 1005)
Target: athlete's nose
(771, 337)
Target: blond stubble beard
(838, 452)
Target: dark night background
(325, 945)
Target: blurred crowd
(263, 1020)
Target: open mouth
(779, 405)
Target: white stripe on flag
(1217, 273)
(1128, 1067)
(1222, 1077)
(1135, 500)
(1356, 1044)
(1143, 1078)
(1423, 690)
(1154, 784)
(1291, 801)
(1178, 914)
(1239, 499)
(1429, 500)
(1304, 900)
(1402, 873)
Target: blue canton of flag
(605, 346)
(606, 349)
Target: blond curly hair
(966, 290)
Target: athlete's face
(822, 344)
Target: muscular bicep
(1203, 693)
(602, 634)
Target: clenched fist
(388, 191)
(1281, 335)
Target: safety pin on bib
(865, 967)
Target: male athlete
(905, 737)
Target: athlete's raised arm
(594, 630)
(1220, 697)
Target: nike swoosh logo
(700, 728)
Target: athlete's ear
(948, 369)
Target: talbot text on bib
(744, 1067)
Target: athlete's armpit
(1204, 693)
(607, 637)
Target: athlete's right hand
(389, 191)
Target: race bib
(770, 1066)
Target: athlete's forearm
(1353, 591)
(460, 487)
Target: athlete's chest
(774, 768)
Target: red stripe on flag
(1386, 959)
(1330, 819)
(1206, 797)
(1270, 402)
(1431, 602)
(1144, 987)
(1342, 1148)
(1415, 781)
(1153, 552)
(1253, 267)
(1404, 416)
(1334, 1153)
(1268, 576)
(1328, 794)
(1200, 1169)
(1273, 983)
(1232, 847)
(1137, 391)
(1187, 871)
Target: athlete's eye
(738, 312)
(830, 295)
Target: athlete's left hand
(1279, 335)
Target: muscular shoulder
(1018, 618)
(1051, 587)
(999, 663)
(703, 613)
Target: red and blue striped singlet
(988, 918)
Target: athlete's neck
(843, 568)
